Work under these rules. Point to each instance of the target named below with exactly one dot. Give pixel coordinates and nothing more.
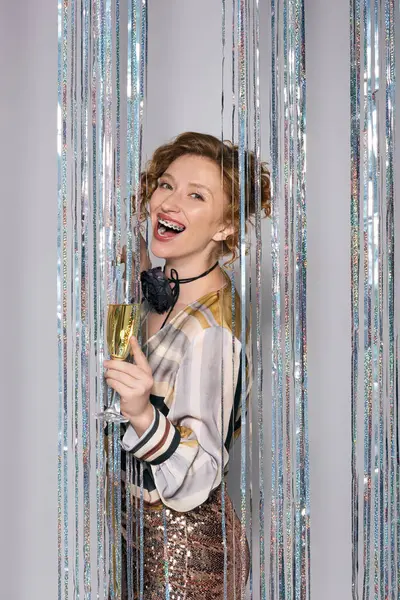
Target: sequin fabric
(191, 563)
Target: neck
(189, 292)
(189, 268)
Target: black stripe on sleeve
(159, 403)
(148, 437)
(174, 444)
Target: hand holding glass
(122, 323)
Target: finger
(121, 377)
(125, 367)
(125, 390)
(139, 356)
(119, 387)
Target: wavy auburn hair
(226, 156)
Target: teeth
(170, 225)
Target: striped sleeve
(156, 444)
(187, 477)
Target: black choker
(158, 292)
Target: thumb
(138, 355)
(133, 344)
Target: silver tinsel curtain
(103, 48)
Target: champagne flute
(123, 322)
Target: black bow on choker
(157, 290)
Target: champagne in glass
(122, 323)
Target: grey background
(184, 93)
(28, 167)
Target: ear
(224, 233)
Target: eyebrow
(193, 183)
(199, 185)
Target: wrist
(142, 422)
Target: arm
(184, 449)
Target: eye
(197, 196)
(164, 185)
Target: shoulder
(218, 310)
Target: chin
(171, 251)
(161, 250)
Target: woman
(172, 393)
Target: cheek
(200, 214)
(154, 202)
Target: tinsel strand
(250, 58)
(62, 305)
(377, 480)
(367, 256)
(290, 500)
(392, 370)
(97, 258)
(286, 410)
(117, 297)
(301, 375)
(392, 536)
(222, 441)
(276, 299)
(110, 269)
(128, 274)
(85, 298)
(355, 71)
(232, 274)
(76, 84)
(102, 299)
(259, 354)
(241, 28)
(379, 576)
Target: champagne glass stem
(112, 413)
(115, 405)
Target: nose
(171, 202)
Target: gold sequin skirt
(191, 563)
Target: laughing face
(187, 210)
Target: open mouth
(168, 229)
